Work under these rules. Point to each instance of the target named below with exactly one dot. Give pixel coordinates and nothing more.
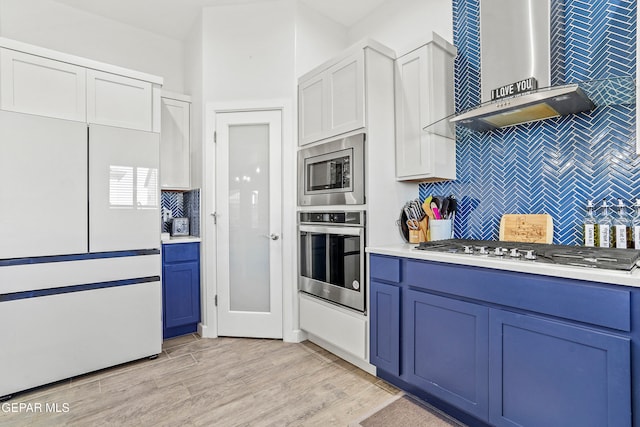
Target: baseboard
(356, 361)
(206, 332)
(295, 336)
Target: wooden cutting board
(529, 228)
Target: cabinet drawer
(180, 252)
(566, 298)
(385, 268)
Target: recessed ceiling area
(174, 18)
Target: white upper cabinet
(45, 82)
(312, 109)
(424, 95)
(37, 85)
(346, 95)
(115, 100)
(175, 144)
(331, 101)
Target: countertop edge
(186, 239)
(586, 274)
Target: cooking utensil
(444, 211)
(453, 207)
(435, 210)
(426, 207)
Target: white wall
(60, 27)
(248, 61)
(400, 23)
(194, 86)
(249, 51)
(318, 38)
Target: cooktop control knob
(514, 253)
(530, 254)
(498, 251)
(468, 249)
(483, 250)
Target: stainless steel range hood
(515, 47)
(541, 104)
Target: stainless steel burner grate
(605, 258)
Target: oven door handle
(345, 231)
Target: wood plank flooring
(210, 382)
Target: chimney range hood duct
(515, 50)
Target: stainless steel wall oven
(331, 257)
(332, 173)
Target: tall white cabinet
(80, 244)
(424, 95)
(348, 94)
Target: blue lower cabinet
(385, 326)
(446, 345)
(552, 374)
(507, 349)
(180, 288)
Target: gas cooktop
(580, 256)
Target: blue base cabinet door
(446, 352)
(552, 374)
(385, 327)
(181, 288)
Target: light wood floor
(213, 382)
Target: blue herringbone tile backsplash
(552, 166)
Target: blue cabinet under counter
(180, 288)
(503, 348)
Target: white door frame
(208, 327)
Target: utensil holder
(441, 229)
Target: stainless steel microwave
(332, 173)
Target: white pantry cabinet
(42, 86)
(115, 100)
(424, 94)
(175, 142)
(331, 101)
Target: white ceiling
(174, 18)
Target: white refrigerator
(79, 249)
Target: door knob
(274, 236)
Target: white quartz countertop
(519, 265)
(181, 239)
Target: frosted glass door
(249, 217)
(249, 249)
